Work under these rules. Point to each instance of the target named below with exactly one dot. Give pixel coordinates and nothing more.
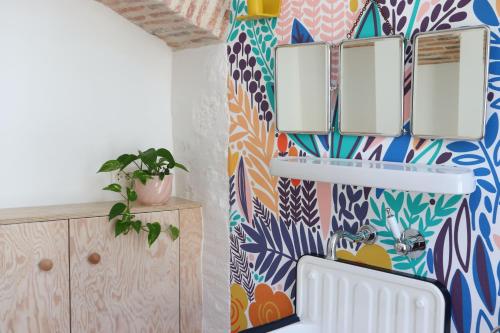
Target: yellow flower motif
(373, 255)
(239, 304)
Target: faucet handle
(409, 243)
(393, 224)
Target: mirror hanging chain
(358, 18)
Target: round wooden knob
(45, 265)
(94, 258)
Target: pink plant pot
(155, 192)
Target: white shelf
(378, 174)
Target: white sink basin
(298, 328)
(338, 297)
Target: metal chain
(358, 18)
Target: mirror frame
(401, 84)
(485, 83)
(328, 85)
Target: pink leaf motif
(324, 191)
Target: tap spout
(366, 235)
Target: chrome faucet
(366, 234)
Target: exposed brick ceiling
(180, 23)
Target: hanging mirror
(450, 72)
(371, 86)
(302, 88)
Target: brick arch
(180, 23)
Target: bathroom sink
(298, 328)
(342, 297)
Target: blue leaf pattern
(461, 308)
(485, 12)
(300, 33)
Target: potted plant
(150, 184)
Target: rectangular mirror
(302, 88)
(371, 86)
(450, 72)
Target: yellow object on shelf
(258, 9)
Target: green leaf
(110, 165)
(154, 230)
(403, 266)
(452, 202)
(377, 222)
(149, 157)
(174, 232)
(131, 194)
(403, 223)
(233, 35)
(113, 188)
(137, 226)
(141, 175)
(394, 202)
(387, 241)
(166, 154)
(126, 159)
(420, 270)
(117, 209)
(122, 227)
(268, 54)
(398, 258)
(375, 209)
(181, 166)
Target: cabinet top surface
(82, 210)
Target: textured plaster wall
(200, 123)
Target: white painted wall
(78, 85)
(199, 97)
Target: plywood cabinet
(132, 288)
(73, 275)
(34, 277)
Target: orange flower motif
(239, 303)
(282, 143)
(294, 152)
(269, 306)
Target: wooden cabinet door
(34, 277)
(191, 292)
(133, 288)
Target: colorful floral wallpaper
(274, 221)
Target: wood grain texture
(133, 288)
(77, 211)
(191, 292)
(33, 300)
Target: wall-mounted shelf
(378, 174)
(259, 9)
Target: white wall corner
(200, 131)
